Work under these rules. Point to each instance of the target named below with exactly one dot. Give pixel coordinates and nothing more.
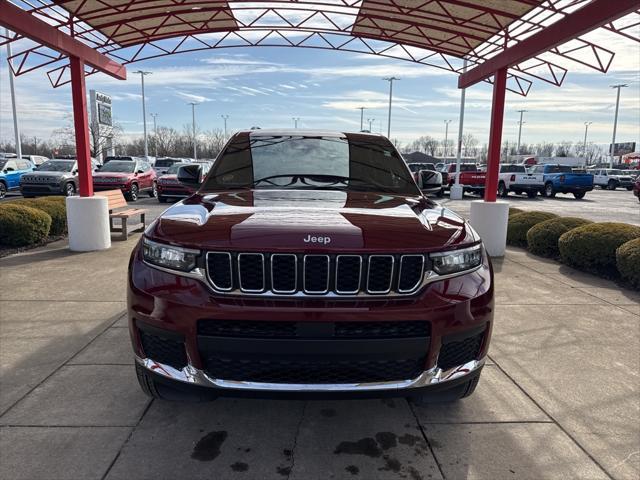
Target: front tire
(612, 185)
(447, 396)
(3, 190)
(502, 190)
(162, 199)
(629, 188)
(133, 193)
(69, 190)
(154, 190)
(549, 191)
(532, 194)
(579, 195)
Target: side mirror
(189, 175)
(140, 171)
(8, 169)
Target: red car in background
(471, 177)
(169, 187)
(131, 176)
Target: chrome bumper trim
(192, 375)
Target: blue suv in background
(11, 169)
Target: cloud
(190, 97)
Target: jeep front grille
(292, 274)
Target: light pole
(371, 120)
(295, 121)
(456, 192)
(193, 126)
(16, 128)
(520, 131)
(446, 137)
(155, 131)
(362, 109)
(144, 112)
(584, 146)
(615, 121)
(225, 117)
(390, 80)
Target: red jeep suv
(309, 264)
(131, 176)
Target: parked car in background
(129, 158)
(416, 167)
(611, 178)
(515, 178)
(55, 177)
(636, 188)
(162, 164)
(11, 170)
(472, 178)
(430, 182)
(36, 159)
(170, 187)
(309, 264)
(131, 176)
(562, 179)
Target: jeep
(309, 264)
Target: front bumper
(171, 306)
(100, 187)
(169, 190)
(41, 189)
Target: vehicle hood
(622, 177)
(118, 175)
(279, 220)
(44, 176)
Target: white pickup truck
(514, 178)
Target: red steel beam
(495, 136)
(81, 124)
(591, 16)
(27, 25)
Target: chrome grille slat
(297, 274)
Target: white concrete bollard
(490, 220)
(88, 222)
(456, 192)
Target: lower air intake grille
(460, 352)
(164, 350)
(313, 371)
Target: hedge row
(608, 249)
(26, 222)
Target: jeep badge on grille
(310, 239)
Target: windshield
(559, 169)
(118, 166)
(166, 162)
(353, 162)
(173, 170)
(56, 166)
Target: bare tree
(564, 149)
(470, 145)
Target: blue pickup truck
(11, 169)
(562, 179)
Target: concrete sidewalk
(559, 399)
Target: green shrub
(56, 210)
(542, 239)
(628, 261)
(520, 223)
(592, 247)
(55, 199)
(21, 225)
(514, 211)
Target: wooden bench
(116, 200)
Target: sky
(268, 86)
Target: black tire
(612, 185)
(579, 195)
(132, 196)
(532, 194)
(629, 188)
(69, 189)
(518, 192)
(549, 191)
(162, 199)
(440, 193)
(3, 190)
(161, 391)
(447, 396)
(154, 190)
(502, 190)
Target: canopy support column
(81, 126)
(488, 217)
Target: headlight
(445, 263)
(168, 256)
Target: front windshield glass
(118, 166)
(173, 170)
(56, 166)
(166, 162)
(353, 162)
